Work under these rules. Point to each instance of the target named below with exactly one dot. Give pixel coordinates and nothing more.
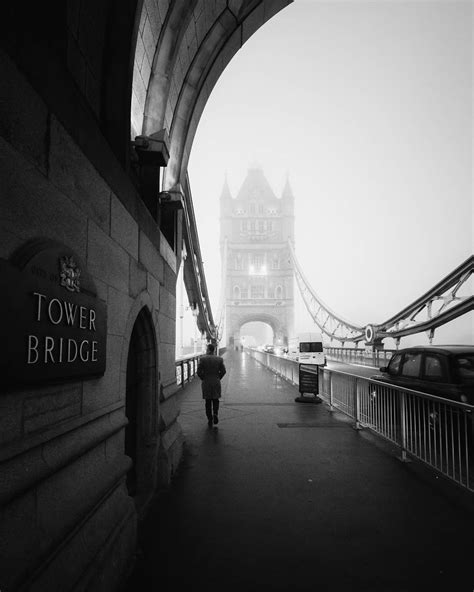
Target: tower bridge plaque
(54, 327)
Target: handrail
(186, 367)
(194, 276)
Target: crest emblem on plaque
(69, 274)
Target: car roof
(448, 349)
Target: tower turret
(287, 193)
(225, 199)
(288, 211)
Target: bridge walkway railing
(357, 355)
(186, 367)
(435, 431)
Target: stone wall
(67, 516)
(82, 456)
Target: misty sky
(367, 106)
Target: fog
(367, 108)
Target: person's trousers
(212, 407)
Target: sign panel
(308, 379)
(53, 325)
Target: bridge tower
(255, 228)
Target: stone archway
(179, 58)
(239, 320)
(140, 402)
(256, 333)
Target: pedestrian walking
(210, 370)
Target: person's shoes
(209, 422)
(216, 419)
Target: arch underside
(278, 324)
(275, 323)
(195, 42)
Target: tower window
(257, 291)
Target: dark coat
(210, 370)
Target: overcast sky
(367, 106)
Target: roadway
(358, 370)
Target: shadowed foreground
(288, 496)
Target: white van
(307, 348)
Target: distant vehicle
(307, 348)
(269, 348)
(443, 370)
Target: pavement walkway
(287, 496)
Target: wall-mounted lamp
(152, 153)
(173, 199)
(154, 149)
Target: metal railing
(186, 368)
(436, 431)
(355, 355)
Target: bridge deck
(288, 496)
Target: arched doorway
(256, 333)
(140, 399)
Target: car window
(311, 346)
(394, 364)
(464, 366)
(411, 365)
(434, 368)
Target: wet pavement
(287, 496)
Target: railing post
(357, 425)
(331, 406)
(403, 426)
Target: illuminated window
(256, 261)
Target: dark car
(443, 370)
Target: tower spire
(225, 194)
(287, 190)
